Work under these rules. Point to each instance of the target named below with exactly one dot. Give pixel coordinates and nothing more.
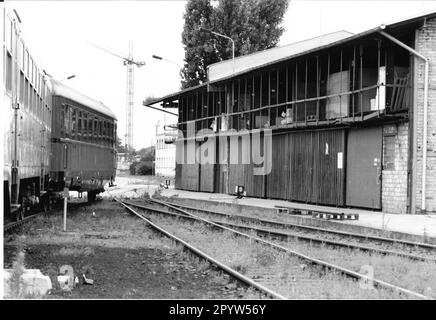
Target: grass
(112, 227)
(414, 275)
(109, 227)
(291, 276)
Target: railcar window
(30, 70)
(8, 33)
(94, 130)
(26, 63)
(62, 121)
(20, 55)
(85, 127)
(100, 131)
(103, 138)
(89, 129)
(35, 73)
(41, 83)
(8, 72)
(73, 120)
(79, 125)
(37, 82)
(68, 121)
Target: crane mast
(130, 84)
(129, 99)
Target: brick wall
(394, 174)
(425, 43)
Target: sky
(58, 32)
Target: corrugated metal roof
(223, 69)
(60, 89)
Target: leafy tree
(199, 49)
(119, 146)
(146, 165)
(254, 25)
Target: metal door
(364, 151)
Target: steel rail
(345, 271)
(13, 225)
(294, 225)
(200, 253)
(16, 224)
(301, 237)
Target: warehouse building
(351, 120)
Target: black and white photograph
(217, 155)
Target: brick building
(352, 120)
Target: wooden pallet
(318, 214)
(293, 211)
(335, 216)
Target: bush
(141, 168)
(144, 168)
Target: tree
(146, 164)
(254, 25)
(199, 49)
(119, 146)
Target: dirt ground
(122, 255)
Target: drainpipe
(425, 107)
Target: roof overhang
(342, 38)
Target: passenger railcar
(26, 116)
(82, 143)
(79, 153)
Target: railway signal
(129, 62)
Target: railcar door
(364, 167)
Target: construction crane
(130, 63)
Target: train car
(26, 117)
(83, 142)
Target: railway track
(237, 275)
(323, 235)
(313, 261)
(313, 240)
(14, 225)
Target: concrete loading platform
(421, 228)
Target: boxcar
(82, 143)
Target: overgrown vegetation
(285, 274)
(145, 166)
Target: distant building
(165, 157)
